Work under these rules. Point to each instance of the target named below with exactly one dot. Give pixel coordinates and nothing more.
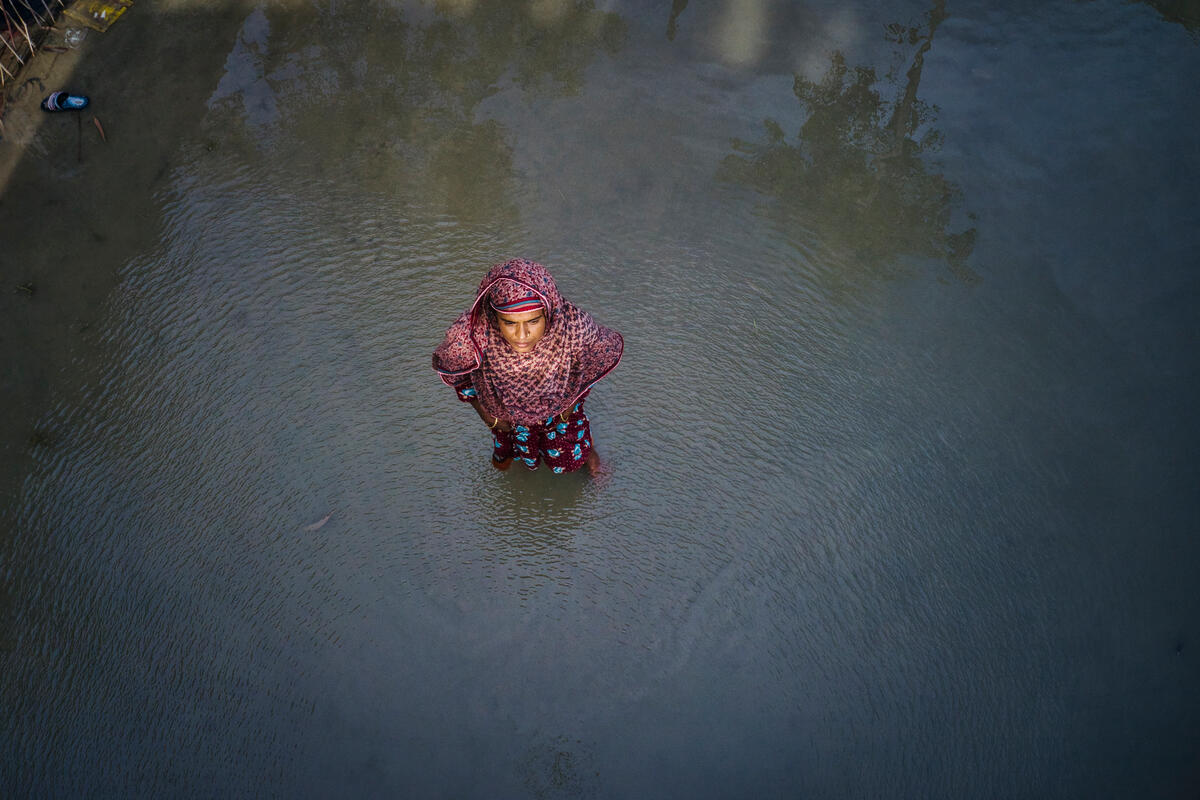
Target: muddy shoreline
(67, 193)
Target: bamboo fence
(23, 27)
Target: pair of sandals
(64, 101)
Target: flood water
(904, 500)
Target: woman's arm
(467, 394)
(489, 420)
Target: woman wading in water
(526, 359)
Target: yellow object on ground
(96, 14)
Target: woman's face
(522, 331)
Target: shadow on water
(529, 526)
(677, 8)
(1181, 12)
(857, 173)
(67, 206)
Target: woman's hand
(495, 423)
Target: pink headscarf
(573, 354)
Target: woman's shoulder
(456, 353)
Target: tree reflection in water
(546, 48)
(393, 100)
(856, 174)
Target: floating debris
(316, 526)
(73, 37)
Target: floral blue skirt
(563, 444)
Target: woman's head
(515, 279)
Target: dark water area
(904, 500)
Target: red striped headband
(509, 297)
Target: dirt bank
(76, 207)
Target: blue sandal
(64, 101)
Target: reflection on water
(869, 548)
(857, 172)
(343, 106)
(677, 8)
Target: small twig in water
(316, 526)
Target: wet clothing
(531, 390)
(563, 445)
(526, 388)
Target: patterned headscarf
(526, 388)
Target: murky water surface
(904, 501)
